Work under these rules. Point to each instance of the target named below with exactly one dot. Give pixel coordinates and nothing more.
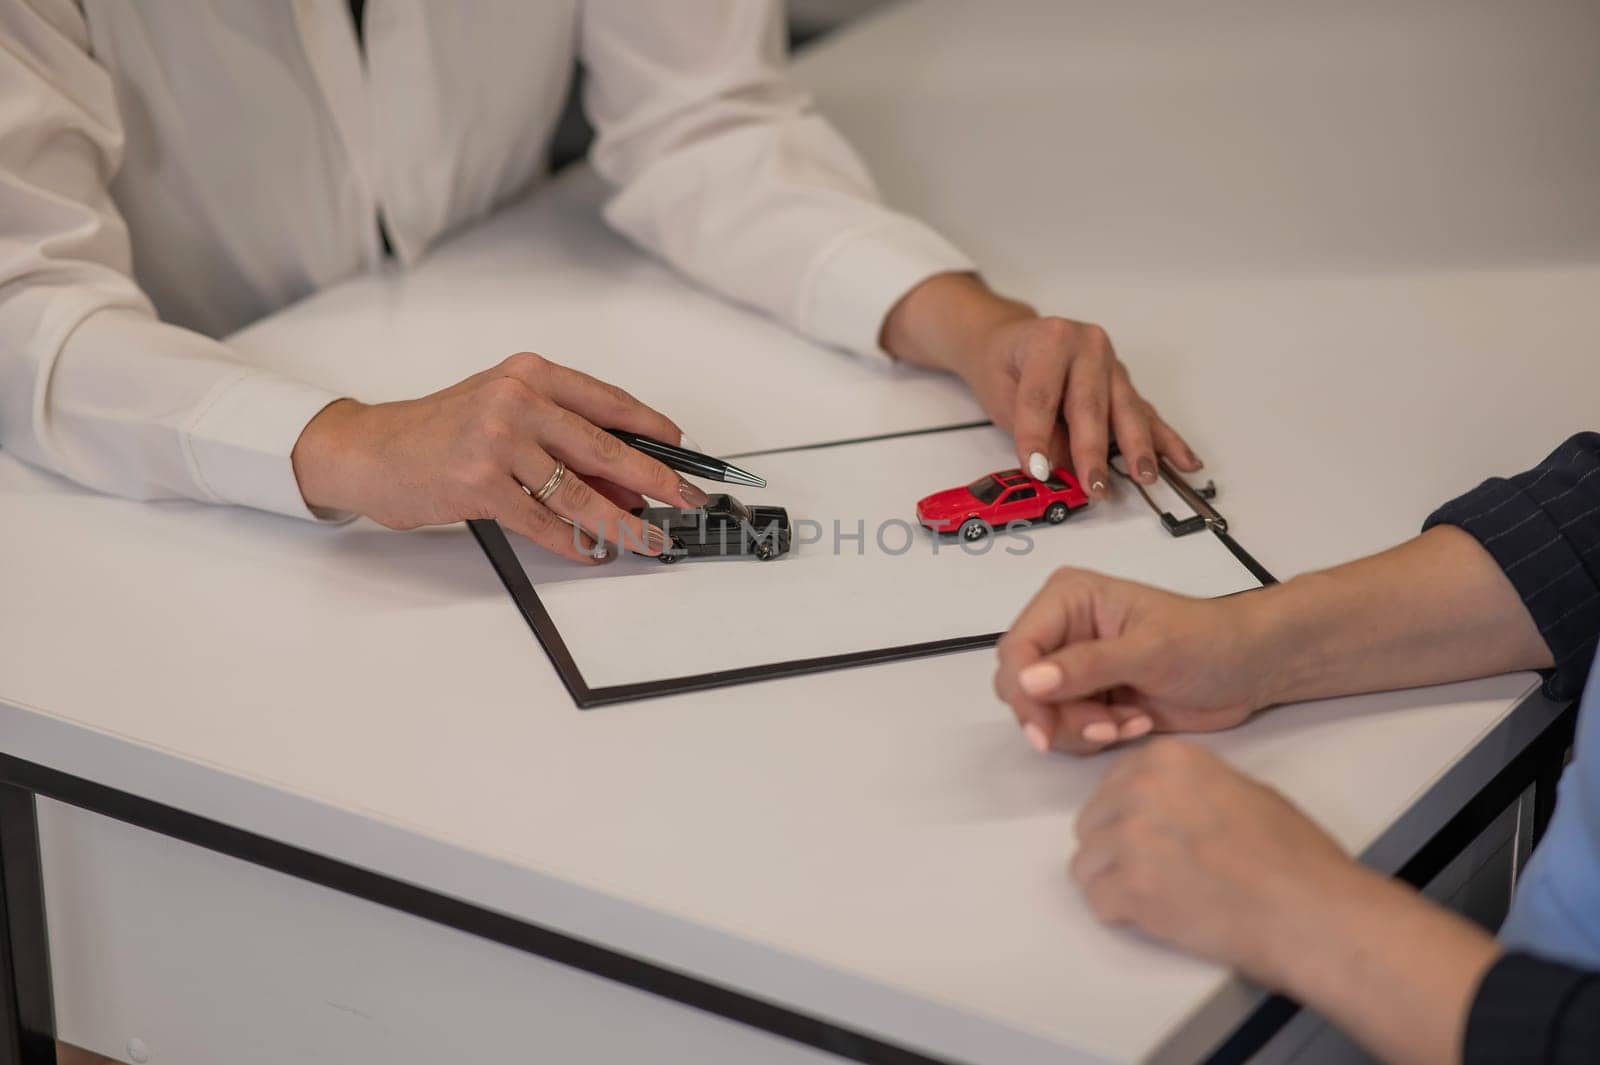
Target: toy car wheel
(764, 551)
(669, 554)
(974, 529)
(1056, 513)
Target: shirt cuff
(241, 441)
(1530, 1010)
(858, 278)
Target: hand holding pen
(522, 443)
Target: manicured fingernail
(1135, 727)
(654, 538)
(1039, 466)
(592, 549)
(1100, 732)
(685, 440)
(691, 495)
(1194, 460)
(1036, 736)
(1097, 483)
(1040, 678)
(1147, 470)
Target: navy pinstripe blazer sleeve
(1529, 1011)
(1543, 528)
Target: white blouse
(170, 171)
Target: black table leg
(27, 1013)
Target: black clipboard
(492, 539)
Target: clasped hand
(1092, 660)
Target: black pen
(685, 461)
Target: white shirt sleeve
(725, 171)
(92, 385)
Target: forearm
(1434, 609)
(92, 384)
(740, 184)
(1389, 968)
(147, 410)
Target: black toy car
(724, 526)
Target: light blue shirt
(1556, 912)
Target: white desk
(1347, 289)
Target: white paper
(636, 620)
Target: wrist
(323, 455)
(943, 322)
(1307, 921)
(1288, 625)
(1394, 971)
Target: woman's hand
(1194, 853)
(479, 448)
(1092, 660)
(1197, 855)
(1036, 377)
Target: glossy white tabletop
(879, 846)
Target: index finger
(591, 450)
(1040, 380)
(1044, 626)
(600, 402)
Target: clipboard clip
(1198, 499)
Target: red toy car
(992, 502)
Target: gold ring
(552, 484)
